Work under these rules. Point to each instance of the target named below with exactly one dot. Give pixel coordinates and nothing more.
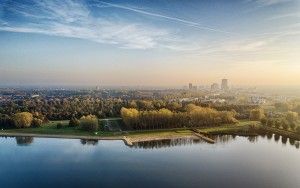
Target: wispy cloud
(74, 19)
(268, 2)
(287, 15)
(183, 21)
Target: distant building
(190, 86)
(214, 87)
(195, 88)
(224, 85)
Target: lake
(234, 161)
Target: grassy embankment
(50, 128)
(241, 128)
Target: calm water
(269, 161)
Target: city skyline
(146, 43)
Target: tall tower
(224, 85)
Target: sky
(149, 43)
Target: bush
(23, 119)
(59, 125)
(37, 122)
(74, 122)
(89, 123)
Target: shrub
(74, 122)
(89, 123)
(22, 119)
(59, 125)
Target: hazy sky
(146, 42)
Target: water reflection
(155, 144)
(220, 139)
(223, 138)
(92, 142)
(165, 143)
(24, 140)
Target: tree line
(66, 108)
(192, 116)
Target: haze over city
(149, 43)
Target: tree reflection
(179, 142)
(292, 141)
(89, 142)
(284, 139)
(223, 138)
(24, 140)
(276, 137)
(252, 139)
(166, 143)
(269, 136)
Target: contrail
(187, 22)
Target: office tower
(190, 86)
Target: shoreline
(131, 137)
(128, 140)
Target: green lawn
(50, 128)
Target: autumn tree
(89, 123)
(22, 119)
(256, 114)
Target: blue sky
(163, 43)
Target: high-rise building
(190, 86)
(224, 85)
